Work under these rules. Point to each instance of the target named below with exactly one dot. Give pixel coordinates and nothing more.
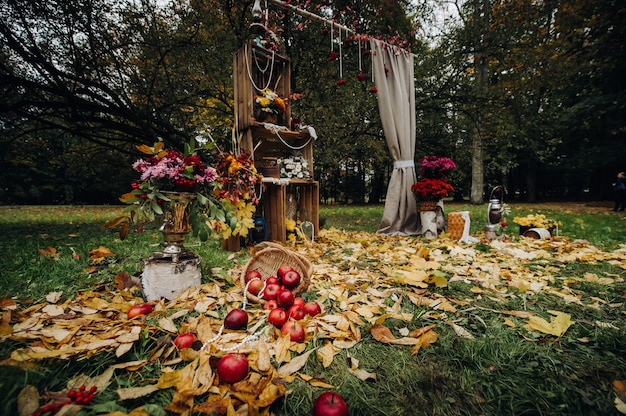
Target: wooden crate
(256, 68)
(274, 206)
(268, 147)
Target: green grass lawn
(503, 369)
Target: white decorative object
(429, 224)
(466, 237)
(162, 278)
(294, 167)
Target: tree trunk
(481, 65)
(478, 172)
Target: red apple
(255, 286)
(291, 279)
(280, 273)
(136, 310)
(312, 308)
(294, 329)
(272, 280)
(236, 319)
(285, 298)
(330, 404)
(184, 340)
(233, 367)
(271, 291)
(296, 312)
(252, 274)
(277, 317)
(270, 305)
(299, 301)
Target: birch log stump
(164, 278)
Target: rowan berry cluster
(82, 396)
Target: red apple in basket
(233, 367)
(291, 279)
(277, 317)
(271, 291)
(330, 404)
(236, 319)
(252, 274)
(136, 310)
(184, 340)
(294, 330)
(272, 280)
(285, 298)
(296, 312)
(280, 273)
(255, 286)
(312, 308)
(299, 301)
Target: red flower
(431, 189)
(373, 90)
(361, 76)
(332, 56)
(341, 82)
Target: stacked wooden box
(256, 68)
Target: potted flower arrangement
(431, 190)
(433, 185)
(268, 106)
(189, 194)
(536, 221)
(436, 167)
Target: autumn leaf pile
(361, 279)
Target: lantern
(494, 214)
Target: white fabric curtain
(394, 80)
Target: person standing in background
(619, 191)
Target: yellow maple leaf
(557, 325)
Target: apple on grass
(184, 340)
(277, 317)
(236, 319)
(136, 310)
(312, 308)
(330, 404)
(270, 305)
(233, 367)
(294, 330)
(296, 312)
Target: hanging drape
(393, 78)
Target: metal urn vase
(176, 224)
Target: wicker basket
(269, 259)
(456, 224)
(427, 205)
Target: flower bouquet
(536, 221)
(433, 185)
(294, 167)
(268, 106)
(237, 179)
(436, 167)
(214, 198)
(429, 189)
